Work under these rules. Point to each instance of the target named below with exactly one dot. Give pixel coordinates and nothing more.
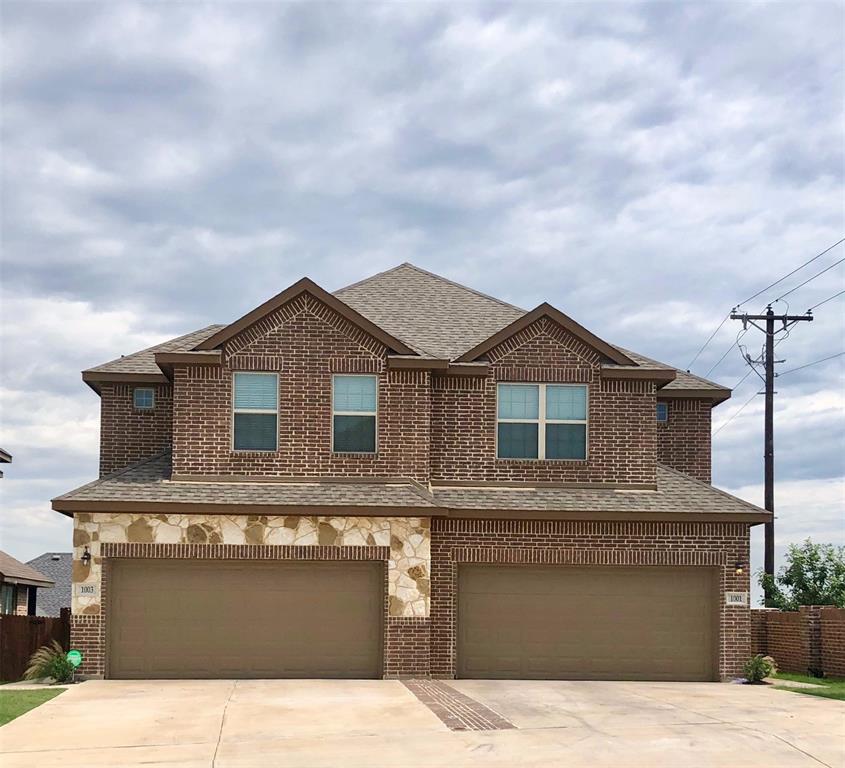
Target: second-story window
(662, 412)
(255, 411)
(541, 421)
(143, 398)
(354, 408)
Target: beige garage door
(591, 623)
(207, 619)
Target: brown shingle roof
(144, 361)
(147, 483)
(676, 493)
(429, 312)
(15, 571)
(434, 316)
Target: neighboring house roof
(57, 566)
(147, 487)
(435, 318)
(5, 457)
(16, 572)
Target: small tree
(814, 574)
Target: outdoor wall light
(739, 568)
(86, 557)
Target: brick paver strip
(454, 709)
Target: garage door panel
(186, 618)
(586, 623)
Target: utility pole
(769, 450)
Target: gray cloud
(642, 167)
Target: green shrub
(758, 667)
(50, 661)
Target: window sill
(540, 461)
(355, 454)
(253, 452)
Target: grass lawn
(832, 687)
(14, 703)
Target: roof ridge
(442, 279)
(710, 487)
(155, 346)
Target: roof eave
(716, 396)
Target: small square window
(143, 398)
(663, 412)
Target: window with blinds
(354, 411)
(541, 421)
(255, 411)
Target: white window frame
(355, 413)
(253, 410)
(152, 391)
(541, 421)
(657, 418)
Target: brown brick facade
(128, 434)
(305, 342)
(832, 641)
(587, 543)
(683, 442)
(810, 640)
(621, 424)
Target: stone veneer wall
(406, 543)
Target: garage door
(587, 623)
(207, 619)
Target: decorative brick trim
(205, 372)
(416, 378)
(545, 327)
(568, 375)
(256, 362)
(590, 528)
(458, 383)
(244, 551)
(456, 710)
(546, 556)
(629, 386)
(356, 365)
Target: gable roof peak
(546, 310)
(304, 285)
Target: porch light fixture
(739, 568)
(86, 557)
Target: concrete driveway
(333, 723)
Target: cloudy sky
(642, 167)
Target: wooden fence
(21, 636)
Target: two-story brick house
(405, 478)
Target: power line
(816, 306)
(727, 352)
(810, 280)
(704, 346)
(776, 282)
(736, 414)
(797, 269)
(815, 362)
